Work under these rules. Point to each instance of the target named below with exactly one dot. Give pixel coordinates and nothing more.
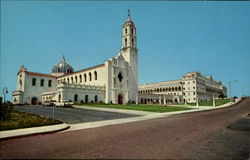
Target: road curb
(114, 110)
(32, 131)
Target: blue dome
(62, 67)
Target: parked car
(64, 104)
(47, 103)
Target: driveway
(72, 115)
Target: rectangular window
(50, 83)
(42, 82)
(33, 81)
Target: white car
(64, 104)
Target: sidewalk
(31, 131)
(124, 111)
(66, 127)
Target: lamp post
(229, 86)
(5, 91)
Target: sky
(173, 38)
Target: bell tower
(129, 33)
(130, 53)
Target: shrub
(5, 111)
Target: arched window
(80, 77)
(68, 80)
(50, 83)
(67, 71)
(179, 88)
(126, 31)
(176, 89)
(76, 79)
(72, 79)
(75, 98)
(58, 70)
(90, 76)
(85, 77)
(20, 84)
(132, 31)
(96, 98)
(126, 41)
(132, 42)
(42, 82)
(95, 73)
(86, 98)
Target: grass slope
(13, 119)
(140, 107)
(218, 102)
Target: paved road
(72, 115)
(198, 135)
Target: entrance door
(120, 99)
(34, 101)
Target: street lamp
(229, 85)
(5, 91)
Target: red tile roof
(97, 66)
(41, 74)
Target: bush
(5, 111)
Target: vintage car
(64, 104)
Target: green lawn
(13, 119)
(140, 107)
(218, 102)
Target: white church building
(115, 81)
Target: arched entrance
(120, 99)
(34, 101)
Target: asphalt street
(72, 115)
(198, 135)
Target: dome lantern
(62, 67)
